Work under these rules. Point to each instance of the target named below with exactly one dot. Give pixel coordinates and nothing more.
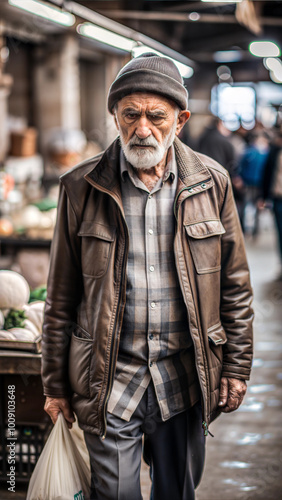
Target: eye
(156, 119)
(130, 116)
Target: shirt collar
(170, 170)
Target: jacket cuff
(241, 373)
(53, 393)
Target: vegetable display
(21, 311)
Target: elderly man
(148, 321)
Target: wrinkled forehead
(146, 100)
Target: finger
(53, 406)
(52, 411)
(223, 393)
(236, 393)
(69, 416)
(232, 405)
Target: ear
(182, 118)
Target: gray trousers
(174, 449)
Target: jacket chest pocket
(96, 247)
(205, 243)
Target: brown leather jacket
(87, 282)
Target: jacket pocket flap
(90, 228)
(217, 334)
(205, 229)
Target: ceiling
(216, 28)
(195, 29)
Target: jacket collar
(191, 169)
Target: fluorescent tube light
(264, 49)
(222, 56)
(105, 36)
(184, 70)
(222, 1)
(44, 10)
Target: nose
(142, 129)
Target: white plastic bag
(60, 473)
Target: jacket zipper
(204, 412)
(113, 342)
(113, 347)
(187, 189)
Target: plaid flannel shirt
(155, 342)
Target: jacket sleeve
(63, 296)
(236, 295)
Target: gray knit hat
(149, 73)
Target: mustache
(147, 141)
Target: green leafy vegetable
(39, 293)
(46, 204)
(15, 319)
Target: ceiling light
(264, 49)
(222, 1)
(272, 63)
(184, 70)
(105, 36)
(194, 16)
(275, 78)
(223, 56)
(44, 10)
(223, 69)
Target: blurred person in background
(148, 319)
(272, 186)
(251, 170)
(214, 142)
(239, 140)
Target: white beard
(146, 158)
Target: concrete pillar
(70, 83)
(5, 87)
(56, 83)
(96, 78)
(112, 67)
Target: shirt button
(153, 305)
(152, 269)
(151, 363)
(151, 336)
(203, 185)
(151, 231)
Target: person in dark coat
(272, 186)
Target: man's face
(147, 124)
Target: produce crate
(32, 425)
(23, 143)
(22, 345)
(30, 441)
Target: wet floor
(244, 459)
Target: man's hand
(232, 392)
(53, 406)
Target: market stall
(23, 421)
